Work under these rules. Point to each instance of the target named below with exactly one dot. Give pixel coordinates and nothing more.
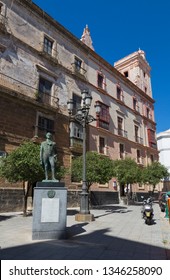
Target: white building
(163, 143)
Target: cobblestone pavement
(118, 233)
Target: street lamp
(82, 116)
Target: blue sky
(119, 28)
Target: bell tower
(136, 68)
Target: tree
(23, 165)
(153, 173)
(126, 171)
(99, 168)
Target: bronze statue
(48, 156)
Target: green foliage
(126, 171)
(61, 171)
(99, 168)
(22, 164)
(153, 173)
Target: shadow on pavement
(72, 212)
(5, 217)
(75, 229)
(97, 245)
(112, 209)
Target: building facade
(163, 143)
(43, 65)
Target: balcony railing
(53, 56)
(15, 85)
(120, 97)
(136, 109)
(153, 145)
(122, 132)
(139, 139)
(78, 70)
(103, 150)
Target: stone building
(163, 142)
(43, 65)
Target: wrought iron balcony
(122, 133)
(78, 70)
(139, 140)
(50, 55)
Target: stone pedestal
(49, 211)
(84, 217)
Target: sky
(119, 28)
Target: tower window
(126, 74)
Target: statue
(48, 156)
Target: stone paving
(118, 233)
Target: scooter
(147, 210)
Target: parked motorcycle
(147, 210)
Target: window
(48, 45)
(76, 135)
(120, 126)
(136, 133)
(78, 64)
(126, 74)
(138, 153)
(145, 89)
(148, 113)
(77, 131)
(104, 117)
(76, 102)
(45, 87)
(152, 158)
(100, 80)
(102, 144)
(135, 104)
(120, 130)
(119, 94)
(151, 138)
(45, 124)
(121, 151)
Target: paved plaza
(118, 233)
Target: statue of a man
(48, 156)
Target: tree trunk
(153, 189)
(26, 191)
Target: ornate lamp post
(82, 116)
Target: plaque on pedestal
(49, 211)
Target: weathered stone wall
(11, 200)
